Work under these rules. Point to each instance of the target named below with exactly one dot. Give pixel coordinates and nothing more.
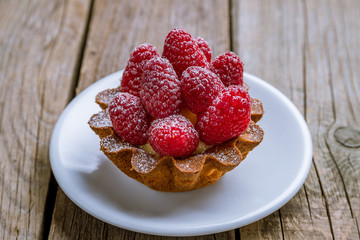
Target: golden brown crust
(104, 98)
(257, 110)
(167, 173)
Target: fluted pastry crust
(167, 173)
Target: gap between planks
(53, 186)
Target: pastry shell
(168, 173)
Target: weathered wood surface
(310, 51)
(52, 50)
(39, 55)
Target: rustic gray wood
(309, 50)
(39, 46)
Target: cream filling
(202, 147)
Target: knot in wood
(348, 136)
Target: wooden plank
(308, 49)
(116, 28)
(39, 45)
(330, 62)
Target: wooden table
(51, 50)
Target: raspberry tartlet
(179, 121)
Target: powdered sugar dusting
(191, 164)
(160, 90)
(229, 156)
(183, 51)
(205, 48)
(227, 116)
(229, 67)
(104, 98)
(199, 87)
(253, 133)
(132, 77)
(256, 106)
(173, 136)
(113, 144)
(143, 162)
(101, 120)
(129, 119)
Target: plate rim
(260, 213)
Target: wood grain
(268, 37)
(329, 67)
(39, 45)
(115, 29)
(304, 49)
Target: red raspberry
(173, 136)
(132, 76)
(160, 91)
(229, 67)
(199, 87)
(183, 51)
(129, 118)
(205, 48)
(227, 117)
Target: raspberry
(205, 48)
(129, 118)
(132, 76)
(183, 51)
(227, 117)
(199, 87)
(229, 67)
(160, 92)
(173, 136)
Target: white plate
(268, 178)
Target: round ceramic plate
(269, 177)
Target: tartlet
(166, 173)
(178, 121)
